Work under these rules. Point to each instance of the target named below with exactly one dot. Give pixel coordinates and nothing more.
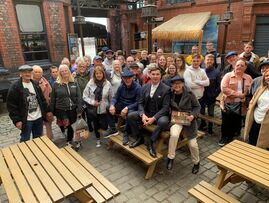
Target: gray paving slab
(127, 173)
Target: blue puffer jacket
(127, 96)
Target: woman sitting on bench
(186, 108)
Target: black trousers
(231, 125)
(254, 133)
(99, 122)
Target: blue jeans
(35, 127)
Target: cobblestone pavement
(127, 173)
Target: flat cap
(97, 58)
(263, 64)
(177, 78)
(127, 73)
(133, 52)
(134, 65)
(109, 51)
(231, 53)
(25, 68)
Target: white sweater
(196, 80)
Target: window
(178, 1)
(32, 32)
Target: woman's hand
(97, 103)
(190, 118)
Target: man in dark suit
(153, 107)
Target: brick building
(250, 22)
(34, 32)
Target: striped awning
(184, 27)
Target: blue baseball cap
(177, 78)
(127, 73)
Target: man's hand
(124, 112)
(19, 125)
(49, 117)
(112, 109)
(144, 119)
(190, 118)
(150, 120)
(97, 103)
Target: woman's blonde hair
(99, 68)
(60, 78)
(263, 79)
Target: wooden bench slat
(33, 180)
(204, 192)
(59, 165)
(51, 170)
(83, 179)
(96, 182)
(216, 121)
(210, 194)
(145, 157)
(19, 179)
(259, 163)
(242, 171)
(217, 191)
(8, 183)
(199, 196)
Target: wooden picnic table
(38, 171)
(239, 161)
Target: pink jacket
(46, 88)
(229, 85)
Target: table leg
(83, 196)
(220, 180)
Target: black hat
(134, 65)
(177, 78)
(231, 53)
(133, 52)
(109, 51)
(25, 68)
(127, 73)
(263, 64)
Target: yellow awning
(183, 27)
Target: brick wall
(56, 30)
(241, 29)
(10, 47)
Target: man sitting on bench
(124, 102)
(153, 107)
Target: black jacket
(17, 103)
(161, 97)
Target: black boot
(151, 149)
(137, 142)
(169, 164)
(195, 168)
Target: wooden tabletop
(244, 160)
(38, 171)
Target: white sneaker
(98, 143)
(69, 144)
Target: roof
(183, 27)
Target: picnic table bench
(101, 190)
(207, 193)
(141, 151)
(239, 161)
(38, 171)
(214, 120)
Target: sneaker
(98, 143)
(78, 146)
(125, 140)
(110, 132)
(195, 168)
(222, 142)
(69, 144)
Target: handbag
(233, 108)
(180, 118)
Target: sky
(102, 21)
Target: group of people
(144, 90)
